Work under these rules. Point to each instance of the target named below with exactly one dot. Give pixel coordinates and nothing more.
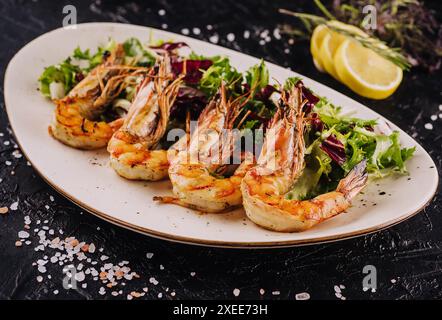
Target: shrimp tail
(355, 181)
(174, 200)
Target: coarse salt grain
(39, 279)
(14, 206)
(262, 291)
(164, 26)
(246, 34)
(214, 38)
(196, 31)
(149, 255)
(161, 12)
(276, 293)
(192, 274)
(264, 33)
(80, 276)
(23, 235)
(41, 269)
(276, 34)
(302, 296)
(185, 31)
(231, 37)
(236, 292)
(428, 126)
(153, 281)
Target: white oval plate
(86, 178)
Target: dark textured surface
(410, 252)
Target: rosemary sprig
(380, 47)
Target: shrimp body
(133, 160)
(195, 173)
(75, 122)
(281, 162)
(70, 127)
(197, 188)
(133, 148)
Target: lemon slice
(366, 72)
(331, 42)
(329, 45)
(315, 43)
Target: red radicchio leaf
(188, 99)
(263, 94)
(309, 96)
(317, 124)
(266, 92)
(193, 69)
(334, 148)
(170, 46)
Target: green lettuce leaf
(257, 77)
(64, 73)
(137, 54)
(220, 70)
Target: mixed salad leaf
(336, 142)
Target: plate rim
(196, 241)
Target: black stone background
(409, 252)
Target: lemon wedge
(315, 43)
(366, 72)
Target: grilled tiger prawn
(196, 171)
(133, 148)
(280, 163)
(76, 119)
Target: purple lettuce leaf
(334, 149)
(192, 68)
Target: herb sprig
(380, 47)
